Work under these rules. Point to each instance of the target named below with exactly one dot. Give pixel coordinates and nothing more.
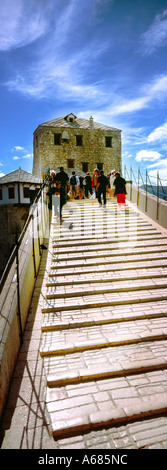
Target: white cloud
(130, 106)
(156, 90)
(127, 155)
(151, 92)
(156, 35)
(62, 64)
(21, 23)
(147, 155)
(17, 147)
(29, 155)
(162, 163)
(159, 86)
(64, 79)
(58, 69)
(160, 134)
(161, 168)
(162, 175)
(2, 174)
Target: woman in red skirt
(120, 188)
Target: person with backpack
(74, 183)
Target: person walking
(102, 187)
(95, 180)
(112, 178)
(120, 189)
(81, 188)
(88, 185)
(61, 179)
(74, 183)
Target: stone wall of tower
(93, 149)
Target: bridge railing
(149, 192)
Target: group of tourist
(97, 185)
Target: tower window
(108, 141)
(57, 139)
(79, 140)
(70, 163)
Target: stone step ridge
(52, 305)
(70, 234)
(111, 209)
(88, 214)
(108, 252)
(99, 371)
(84, 236)
(71, 348)
(127, 236)
(62, 226)
(97, 278)
(60, 242)
(62, 271)
(111, 313)
(87, 211)
(76, 420)
(92, 216)
(107, 288)
(103, 336)
(107, 218)
(69, 390)
(108, 260)
(123, 357)
(110, 246)
(107, 222)
(114, 360)
(53, 323)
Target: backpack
(73, 180)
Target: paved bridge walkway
(92, 370)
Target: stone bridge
(92, 369)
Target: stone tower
(76, 143)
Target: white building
(17, 187)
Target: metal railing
(151, 184)
(26, 248)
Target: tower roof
(75, 122)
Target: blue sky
(105, 58)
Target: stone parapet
(154, 208)
(14, 298)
